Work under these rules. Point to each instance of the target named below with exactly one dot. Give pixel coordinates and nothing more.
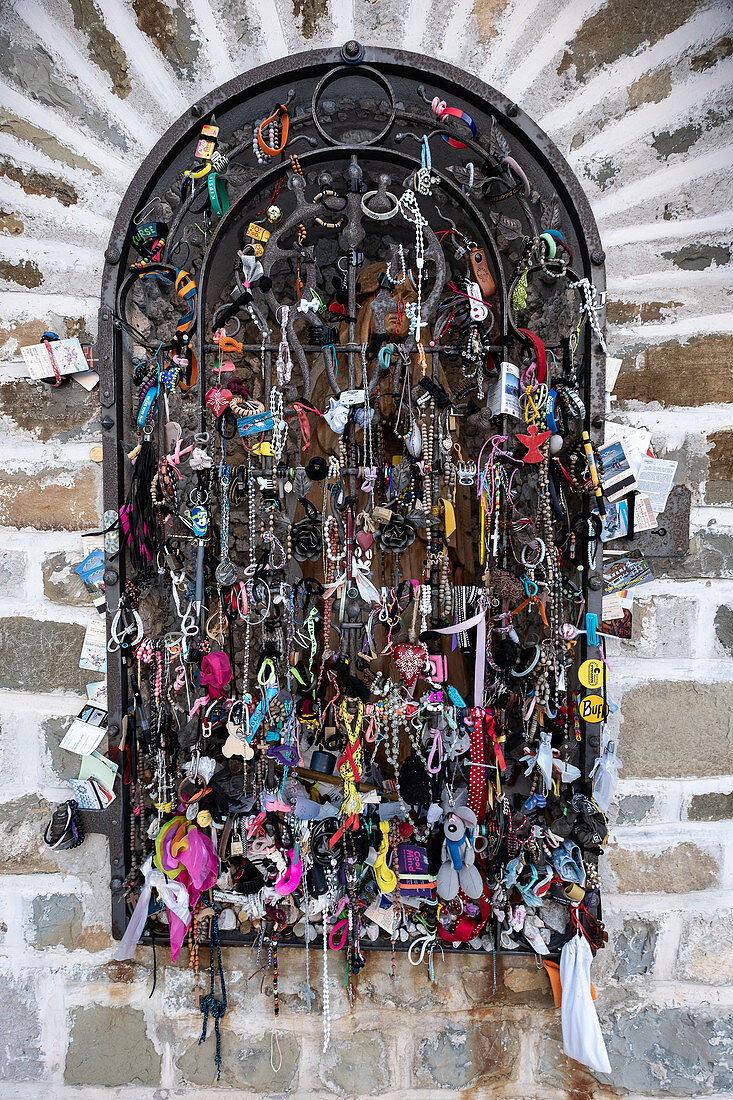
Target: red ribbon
(539, 350)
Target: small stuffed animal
(457, 871)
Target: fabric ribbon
(337, 416)
(479, 621)
(174, 896)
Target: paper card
(618, 628)
(97, 694)
(88, 379)
(98, 767)
(382, 913)
(503, 392)
(644, 515)
(615, 521)
(87, 794)
(91, 570)
(82, 737)
(613, 366)
(67, 355)
(656, 476)
(619, 474)
(612, 608)
(625, 573)
(94, 650)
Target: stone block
(453, 1056)
(22, 1058)
(691, 374)
(719, 489)
(674, 729)
(706, 949)
(713, 806)
(56, 499)
(13, 565)
(619, 30)
(710, 554)
(57, 921)
(679, 869)
(664, 626)
(245, 1062)
(631, 809)
(356, 1064)
(41, 656)
(724, 628)
(62, 762)
(635, 948)
(60, 583)
(23, 851)
(109, 1047)
(669, 1051)
(67, 414)
(552, 1069)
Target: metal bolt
(108, 423)
(106, 393)
(598, 421)
(115, 861)
(111, 576)
(594, 583)
(597, 256)
(112, 255)
(116, 883)
(196, 110)
(352, 51)
(512, 110)
(115, 821)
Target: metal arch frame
(451, 81)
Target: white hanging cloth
(581, 1032)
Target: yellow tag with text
(593, 709)
(592, 674)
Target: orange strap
(553, 973)
(527, 602)
(282, 111)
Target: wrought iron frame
(478, 99)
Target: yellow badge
(257, 232)
(593, 709)
(204, 819)
(592, 674)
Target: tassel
(136, 515)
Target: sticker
(593, 709)
(592, 674)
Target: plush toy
(457, 871)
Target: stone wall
(637, 95)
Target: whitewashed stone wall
(637, 95)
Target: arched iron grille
(358, 119)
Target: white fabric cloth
(581, 1031)
(173, 894)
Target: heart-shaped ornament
(218, 399)
(365, 540)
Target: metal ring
(334, 74)
(375, 214)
